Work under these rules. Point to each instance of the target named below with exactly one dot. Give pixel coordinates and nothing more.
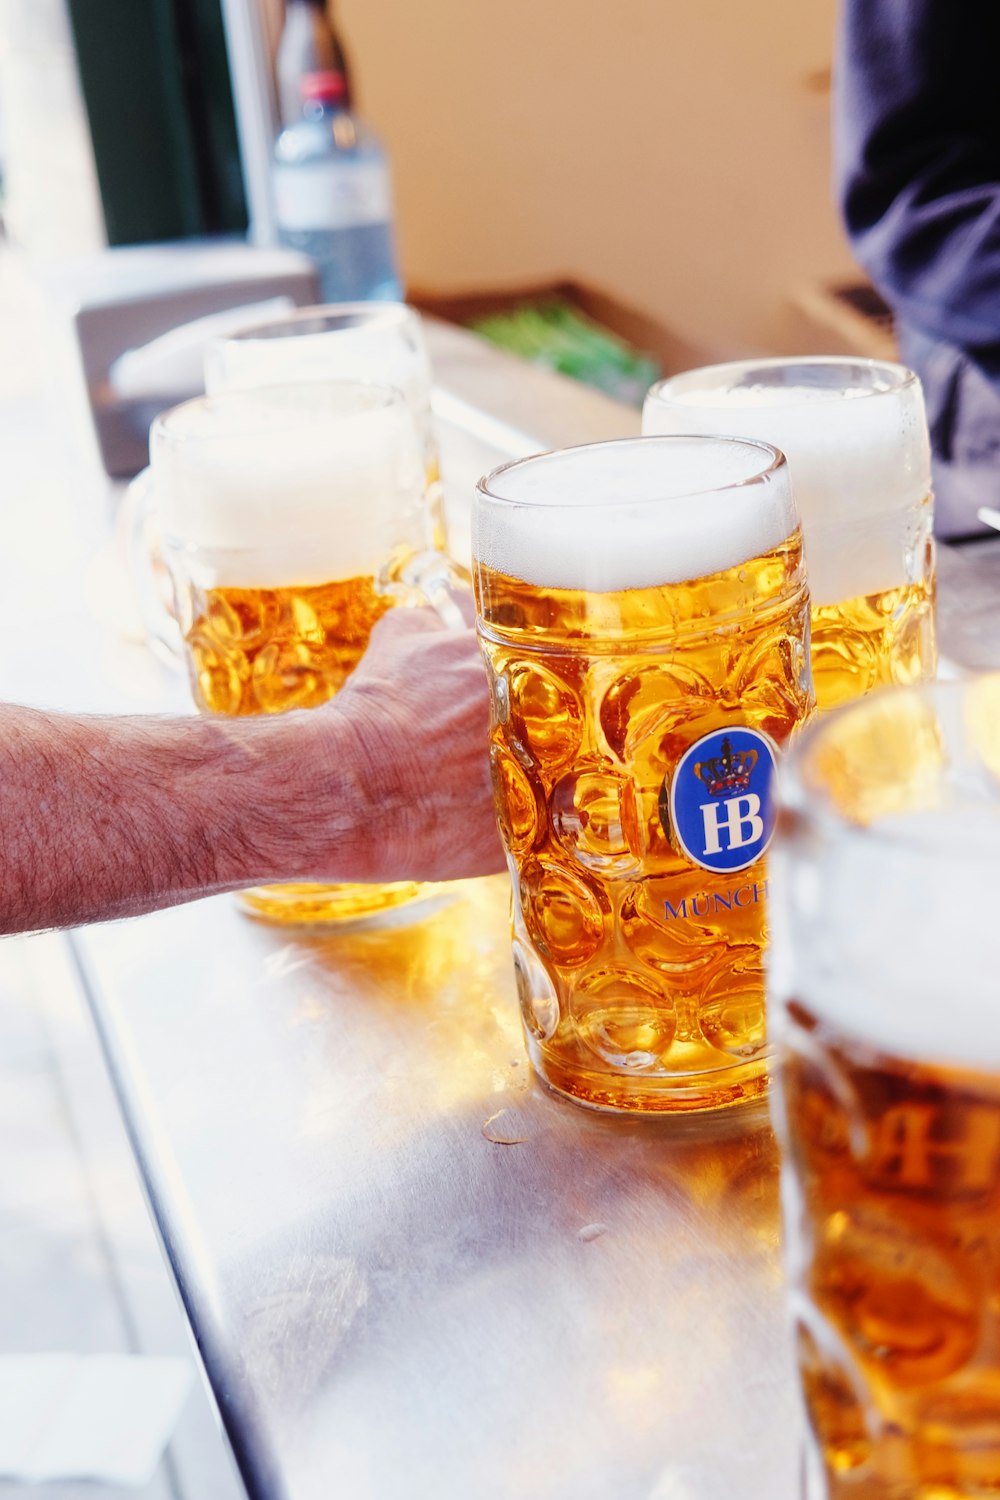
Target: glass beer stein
(382, 342)
(290, 519)
(854, 432)
(643, 612)
(884, 1010)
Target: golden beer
(898, 1169)
(884, 1011)
(263, 651)
(639, 971)
(855, 435)
(287, 516)
(874, 641)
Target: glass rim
(168, 426)
(898, 378)
(809, 799)
(371, 315)
(777, 463)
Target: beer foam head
(364, 341)
(855, 436)
(885, 928)
(634, 513)
(289, 485)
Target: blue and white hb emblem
(718, 808)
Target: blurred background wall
(675, 153)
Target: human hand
(409, 734)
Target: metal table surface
(410, 1271)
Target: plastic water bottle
(309, 43)
(333, 196)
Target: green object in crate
(556, 334)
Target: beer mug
(854, 432)
(290, 520)
(643, 612)
(382, 342)
(884, 1010)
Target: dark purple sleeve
(917, 160)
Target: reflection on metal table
(412, 1272)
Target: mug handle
(148, 571)
(432, 579)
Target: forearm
(110, 817)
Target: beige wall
(672, 152)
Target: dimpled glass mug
(854, 432)
(290, 520)
(885, 1010)
(643, 612)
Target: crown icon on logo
(729, 773)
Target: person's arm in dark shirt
(917, 144)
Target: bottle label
(331, 195)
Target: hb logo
(717, 808)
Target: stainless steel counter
(410, 1271)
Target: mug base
(606, 1093)
(313, 905)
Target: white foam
(888, 931)
(388, 349)
(896, 945)
(272, 489)
(859, 459)
(635, 513)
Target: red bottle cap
(328, 87)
